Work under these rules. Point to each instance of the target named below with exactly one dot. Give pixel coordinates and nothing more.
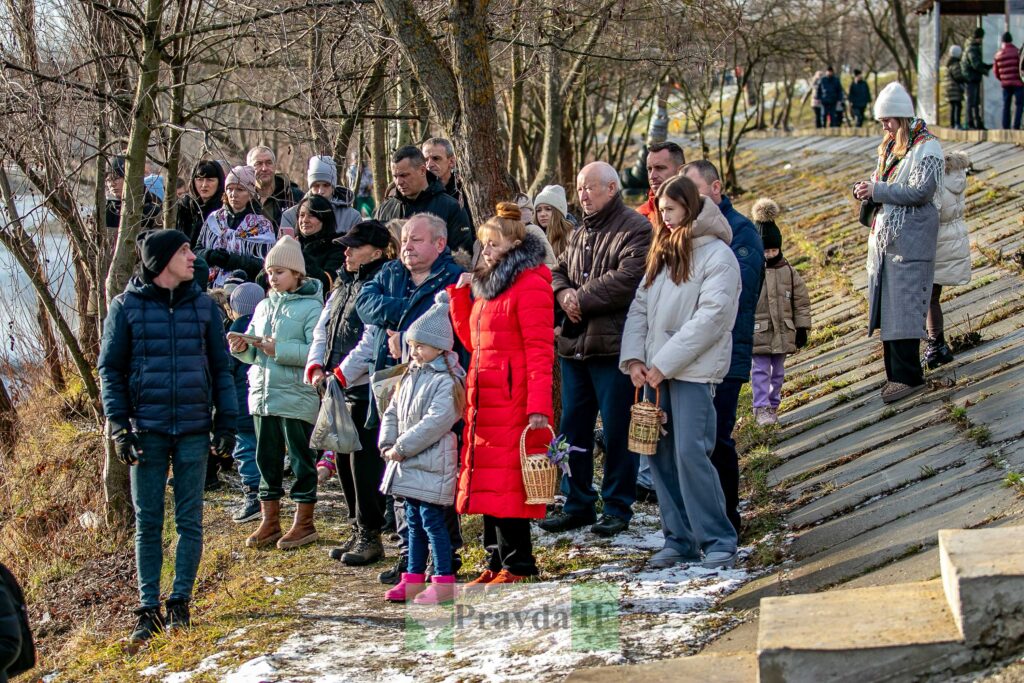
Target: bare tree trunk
(51, 352)
(379, 158)
(8, 422)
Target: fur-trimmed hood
(529, 254)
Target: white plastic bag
(334, 429)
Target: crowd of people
(492, 337)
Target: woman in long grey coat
(901, 247)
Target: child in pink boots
(417, 440)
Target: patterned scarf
(888, 162)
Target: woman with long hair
(676, 340)
(551, 209)
(503, 313)
(901, 247)
(203, 196)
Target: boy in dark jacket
(974, 70)
(163, 363)
(244, 299)
(860, 95)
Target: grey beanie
(434, 328)
(322, 169)
(245, 297)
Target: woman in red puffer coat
(508, 327)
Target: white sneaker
(763, 416)
(773, 416)
(670, 557)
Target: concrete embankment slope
(866, 487)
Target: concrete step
(983, 576)
(724, 668)
(865, 634)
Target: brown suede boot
(270, 525)
(302, 532)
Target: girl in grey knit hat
(417, 440)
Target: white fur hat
(894, 102)
(552, 195)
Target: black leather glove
(126, 443)
(223, 443)
(216, 257)
(801, 337)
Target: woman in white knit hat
(550, 210)
(901, 245)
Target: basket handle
(657, 395)
(522, 438)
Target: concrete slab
(983, 578)
(866, 634)
(730, 668)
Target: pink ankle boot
(441, 589)
(410, 586)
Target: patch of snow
(153, 670)
(207, 664)
(254, 671)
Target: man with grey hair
(440, 157)
(402, 291)
(275, 192)
(417, 190)
(594, 282)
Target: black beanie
(979, 33)
(771, 235)
(156, 248)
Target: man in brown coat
(594, 284)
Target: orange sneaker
(486, 577)
(505, 576)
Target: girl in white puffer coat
(952, 254)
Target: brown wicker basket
(540, 475)
(645, 423)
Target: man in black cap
(340, 348)
(163, 362)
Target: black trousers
(935, 320)
(903, 362)
(724, 457)
(974, 118)
(508, 545)
(361, 473)
(955, 108)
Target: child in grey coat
(416, 438)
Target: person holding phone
(162, 363)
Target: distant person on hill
(955, 82)
(952, 255)
(860, 96)
(906, 185)
(830, 92)
(819, 121)
(974, 70)
(1007, 70)
(164, 367)
(783, 318)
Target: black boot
(339, 552)
(212, 480)
(391, 576)
(937, 352)
(150, 622)
(178, 616)
(368, 549)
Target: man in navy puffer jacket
(749, 250)
(163, 364)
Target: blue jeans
(245, 456)
(427, 526)
(690, 496)
(1010, 95)
(589, 387)
(187, 455)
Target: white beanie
(955, 51)
(322, 169)
(894, 102)
(552, 195)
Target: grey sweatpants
(690, 497)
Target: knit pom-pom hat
(764, 213)
(434, 328)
